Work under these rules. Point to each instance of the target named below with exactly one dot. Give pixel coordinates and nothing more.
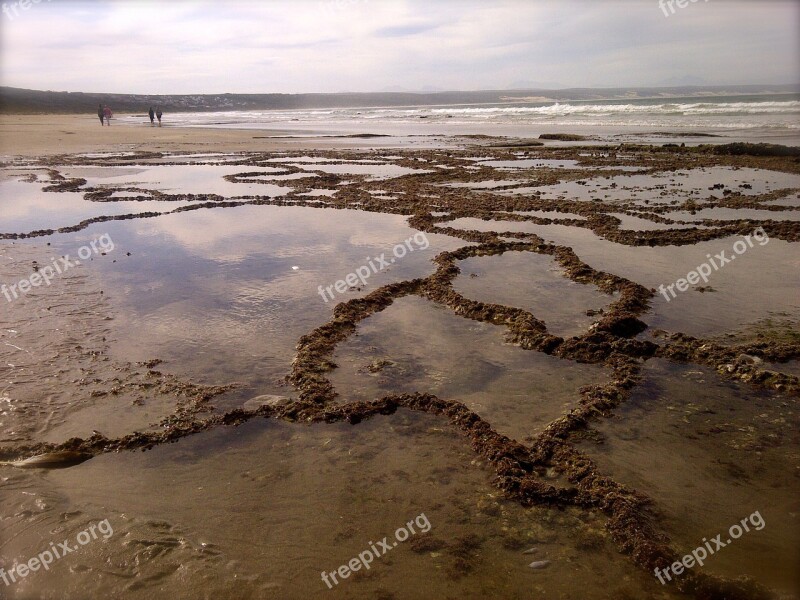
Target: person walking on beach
(152, 117)
(108, 114)
(158, 114)
(100, 113)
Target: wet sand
(41, 135)
(523, 422)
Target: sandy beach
(517, 347)
(43, 135)
(403, 301)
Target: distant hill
(22, 101)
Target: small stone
(378, 365)
(539, 564)
(266, 400)
(488, 507)
(747, 359)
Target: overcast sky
(375, 45)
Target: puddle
(56, 382)
(183, 179)
(743, 291)
(629, 222)
(667, 187)
(482, 185)
(324, 160)
(93, 155)
(550, 214)
(726, 214)
(713, 453)
(791, 201)
(308, 499)
(427, 348)
(532, 163)
(319, 193)
(27, 208)
(471, 223)
(206, 288)
(374, 172)
(540, 288)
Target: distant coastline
(23, 101)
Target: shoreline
(31, 136)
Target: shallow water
(26, 208)
(418, 346)
(529, 163)
(222, 295)
(550, 214)
(713, 453)
(641, 224)
(499, 226)
(667, 187)
(182, 179)
(215, 293)
(203, 291)
(742, 292)
(307, 500)
(540, 287)
(726, 214)
(481, 185)
(791, 200)
(374, 172)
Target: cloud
(365, 45)
(409, 29)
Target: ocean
(761, 115)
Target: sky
(296, 46)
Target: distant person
(100, 113)
(158, 114)
(108, 114)
(152, 117)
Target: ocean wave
(698, 108)
(701, 112)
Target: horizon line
(420, 91)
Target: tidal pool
(193, 315)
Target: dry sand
(42, 135)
